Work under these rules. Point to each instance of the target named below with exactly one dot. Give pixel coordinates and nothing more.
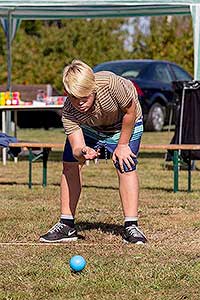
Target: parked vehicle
(153, 81)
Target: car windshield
(125, 69)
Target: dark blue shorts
(107, 142)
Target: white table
(15, 109)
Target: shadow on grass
(168, 190)
(10, 183)
(57, 184)
(165, 189)
(103, 187)
(6, 183)
(104, 227)
(24, 183)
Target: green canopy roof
(110, 8)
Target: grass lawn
(167, 268)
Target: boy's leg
(129, 192)
(129, 188)
(69, 195)
(70, 189)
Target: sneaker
(59, 233)
(132, 234)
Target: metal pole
(189, 172)
(9, 66)
(4, 153)
(181, 116)
(9, 59)
(30, 158)
(45, 155)
(175, 163)
(6, 116)
(181, 124)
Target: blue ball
(77, 263)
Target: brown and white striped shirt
(113, 94)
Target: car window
(114, 69)
(125, 69)
(180, 74)
(158, 72)
(161, 73)
(130, 73)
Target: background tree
(167, 38)
(41, 49)
(3, 61)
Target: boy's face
(82, 104)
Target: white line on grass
(50, 244)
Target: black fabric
(130, 223)
(4, 142)
(191, 116)
(69, 222)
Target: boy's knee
(125, 167)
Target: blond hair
(78, 79)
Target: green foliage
(2, 41)
(32, 28)
(3, 73)
(169, 38)
(41, 49)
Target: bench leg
(30, 158)
(175, 163)
(189, 172)
(45, 159)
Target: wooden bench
(44, 149)
(176, 148)
(47, 147)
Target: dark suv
(153, 81)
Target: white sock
(127, 219)
(69, 217)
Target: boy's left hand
(123, 154)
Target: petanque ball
(77, 263)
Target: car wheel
(156, 118)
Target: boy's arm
(123, 152)
(79, 149)
(128, 122)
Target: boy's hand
(90, 153)
(123, 154)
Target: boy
(101, 111)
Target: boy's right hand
(90, 153)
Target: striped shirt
(113, 94)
